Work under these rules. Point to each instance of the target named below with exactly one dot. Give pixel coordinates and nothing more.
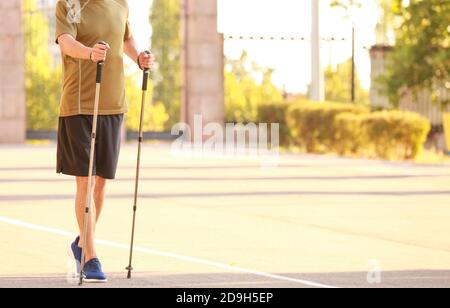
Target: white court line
(150, 251)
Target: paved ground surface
(215, 222)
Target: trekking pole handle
(146, 75)
(100, 65)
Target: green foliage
(312, 125)
(338, 84)
(155, 115)
(387, 21)
(421, 57)
(243, 94)
(347, 6)
(42, 76)
(396, 134)
(347, 129)
(386, 134)
(166, 45)
(350, 134)
(271, 113)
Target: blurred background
(380, 69)
(366, 80)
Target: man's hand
(99, 52)
(146, 61)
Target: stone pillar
(378, 55)
(12, 75)
(317, 75)
(203, 63)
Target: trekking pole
(91, 166)
(138, 165)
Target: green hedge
(350, 137)
(348, 129)
(276, 113)
(312, 125)
(396, 134)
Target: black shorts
(74, 144)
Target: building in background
(378, 54)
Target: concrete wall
(203, 64)
(378, 63)
(12, 88)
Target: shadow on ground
(392, 279)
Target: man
(78, 31)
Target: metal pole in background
(317, 76)
(353, 86)
(185, 106)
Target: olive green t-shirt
(99, 20)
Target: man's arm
(72, 48)
(131, 50)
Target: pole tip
(129, 269)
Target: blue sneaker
(76, 252)
(93, 272)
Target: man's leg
(82, 184)
(99, 195)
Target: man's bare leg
(99, 195)
(82, 184)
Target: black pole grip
(146, 76)
(100, 66)
(99, 72)
(145, 81)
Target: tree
(386, 22)
(243, 93)
(166, 45)
(421, 56)
(350, 7)
(42, 76)
(337, 87)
